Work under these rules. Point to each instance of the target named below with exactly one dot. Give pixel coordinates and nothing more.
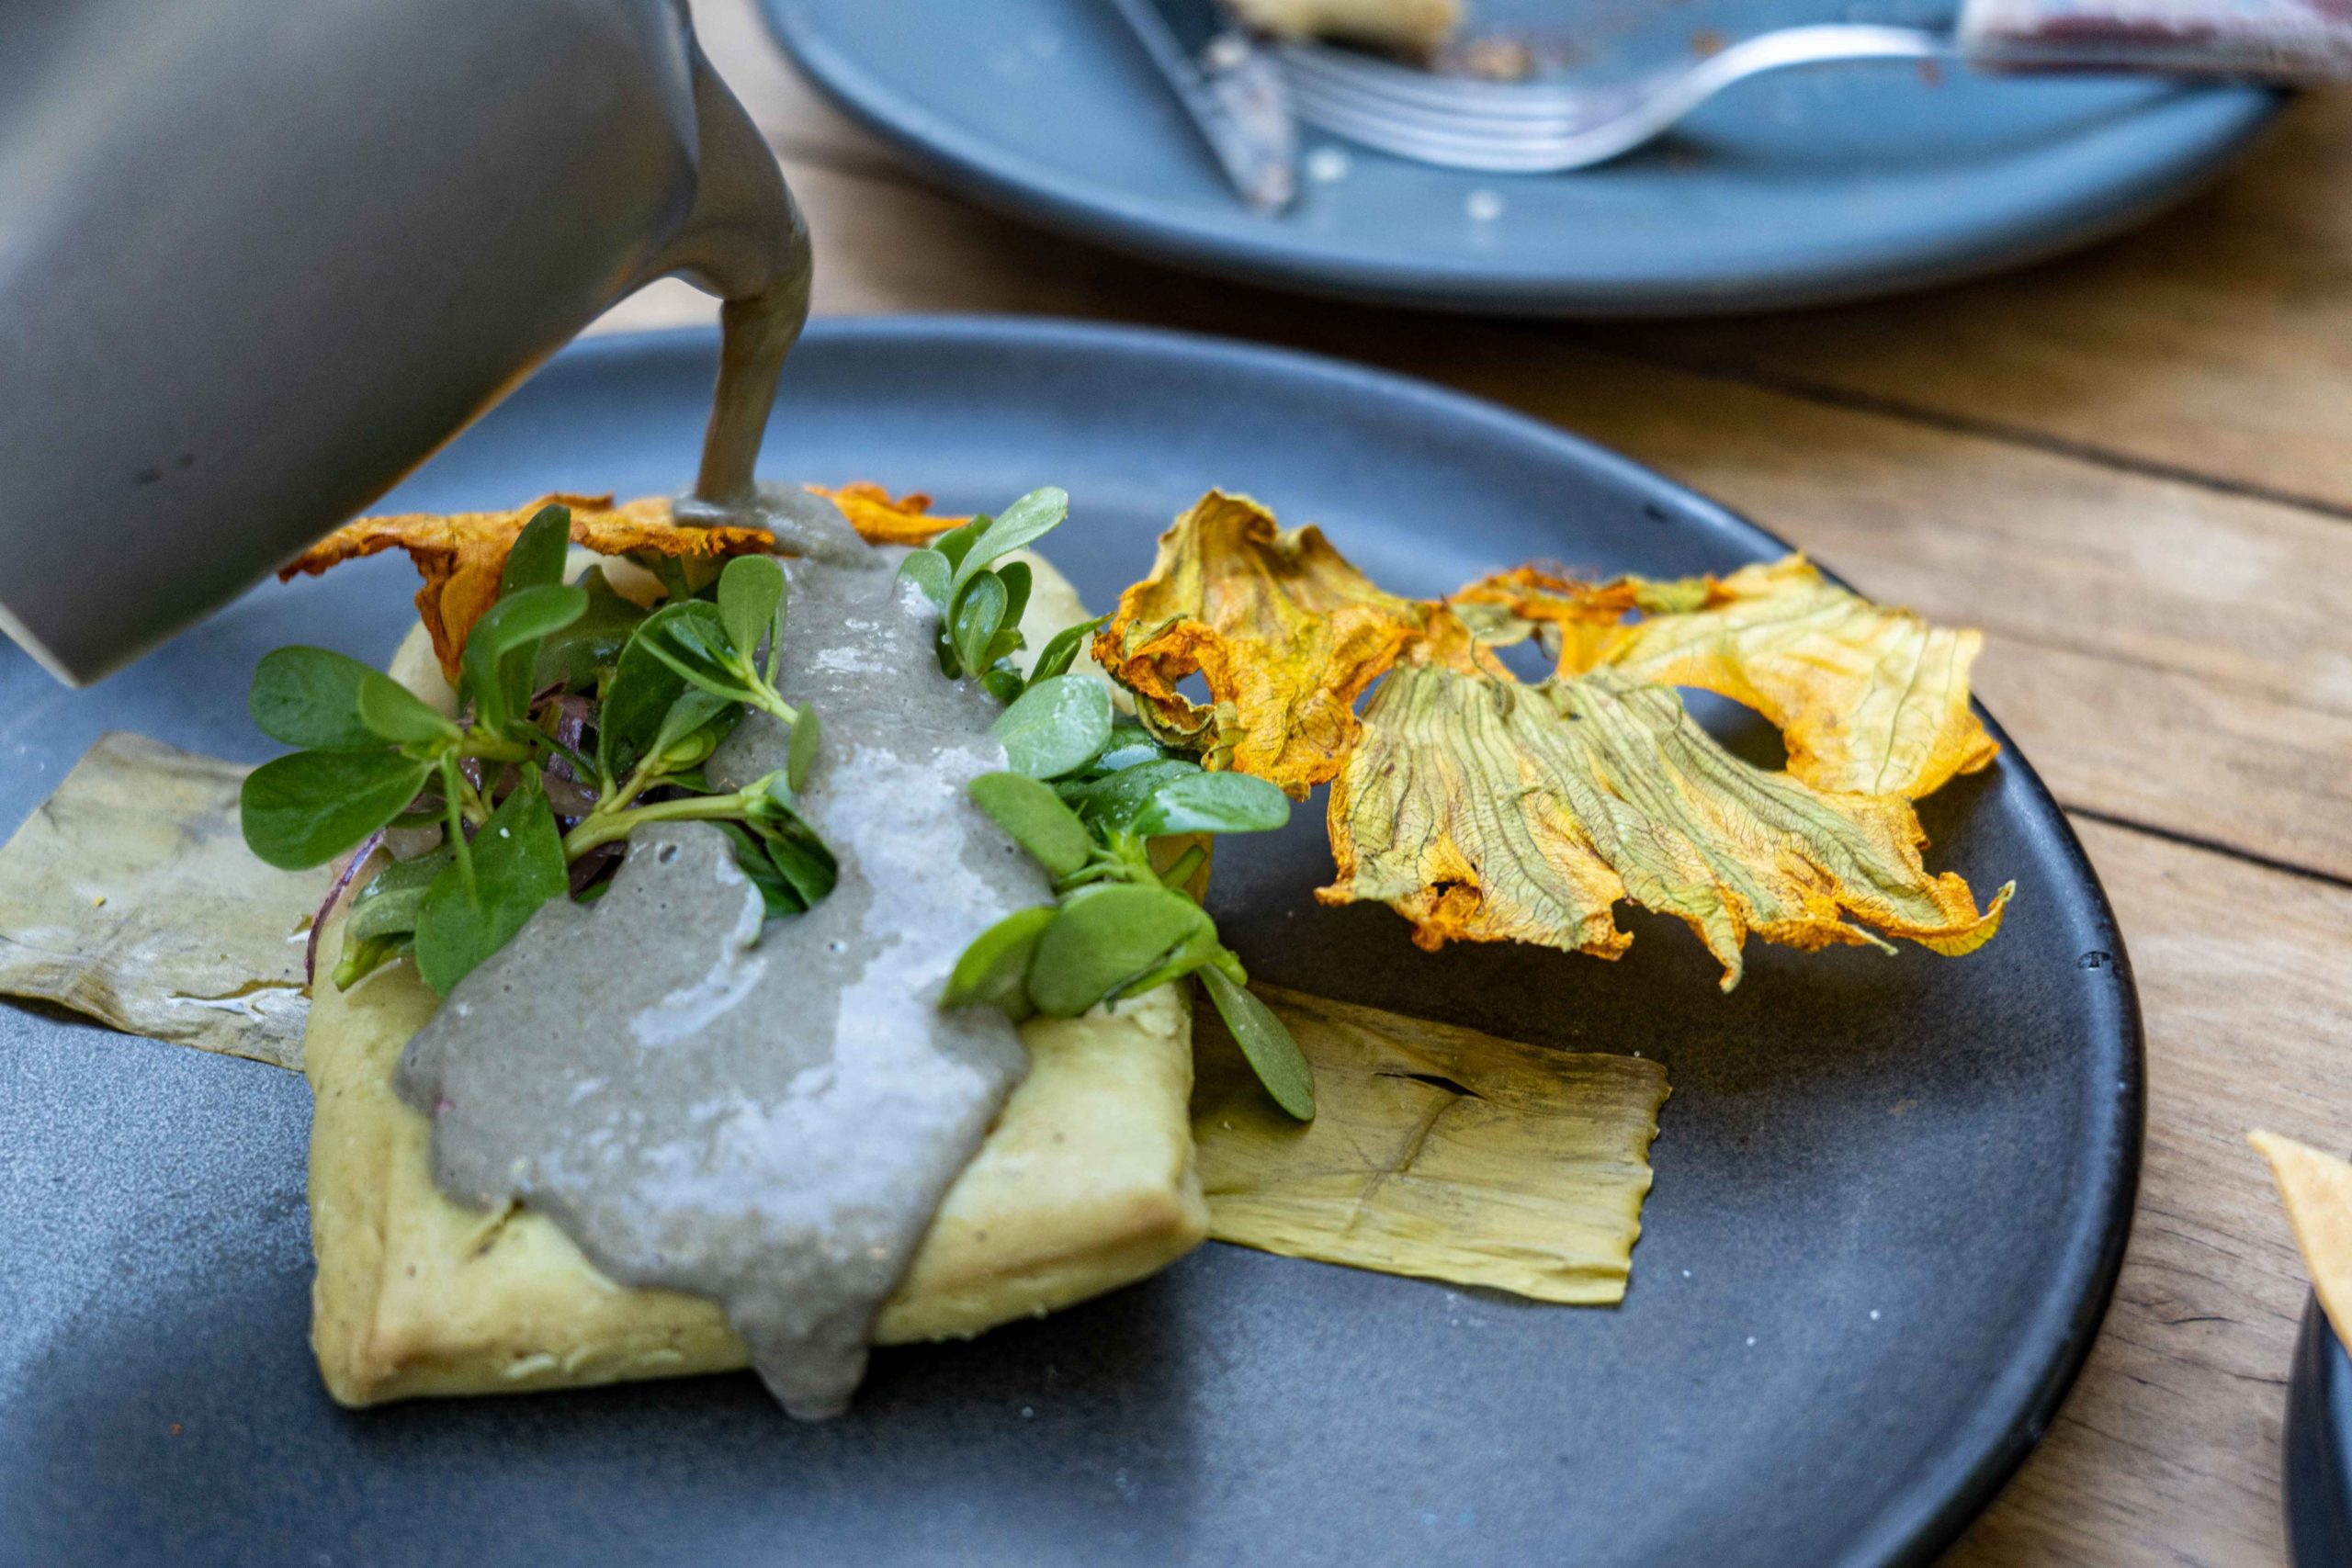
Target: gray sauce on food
(764, 1113)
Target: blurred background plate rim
(1144, 226)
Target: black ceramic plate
(2319, 1446)
(1890, 1192)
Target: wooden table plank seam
(2212, 846)
(2173, 470)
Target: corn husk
(1435, 1151)
(130, 896)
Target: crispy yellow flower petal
(460, 555)
(1486, 811)
(1284, 631)
(1579, 622)
(882, 520)
(1868, 700)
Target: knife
(1231, 90)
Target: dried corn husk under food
(1435, 1151)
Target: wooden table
(2133, 468)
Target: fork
(1516, 127)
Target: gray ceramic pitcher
(260, 258)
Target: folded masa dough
(1085, 1183)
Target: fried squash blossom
(460, 555)
(1484, 809)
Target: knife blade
(1230, 90)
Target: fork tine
(1334, 97)
(1507, 128)
(1316, 99)
(1325, 99)
(1409, 138)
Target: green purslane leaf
(791, 874)
(643, 688)
(387, 906)
(957, 542)
(536, 559)
(1106, 938)
(1018, 579)
(572, 657)
(1002, 682)
(310, 697)
(1007, 642)
(502, 649)
(1266, 1043)
(361, 959)
(929, 570)
(690, 637)
(1123, 928)
(518, 865)
(807, 866)
(1200, 802)
(1061, 649)
(752, 603)
(980, 611)
(394, 713)
(799, 870)
(308, 808)
(1111, 802)
(1130, 748)
(800, 752)
(1056, 726)
(994, 971)
(1031, 518)
(692, 729)
(1036, 819)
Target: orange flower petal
(1284, 633)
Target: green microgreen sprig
(1123, 921)
(662, 691)
(980, 603)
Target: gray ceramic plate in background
(1890, 1192)
(1799, 188)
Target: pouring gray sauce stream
(767, 1115)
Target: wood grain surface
(2131, 467)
